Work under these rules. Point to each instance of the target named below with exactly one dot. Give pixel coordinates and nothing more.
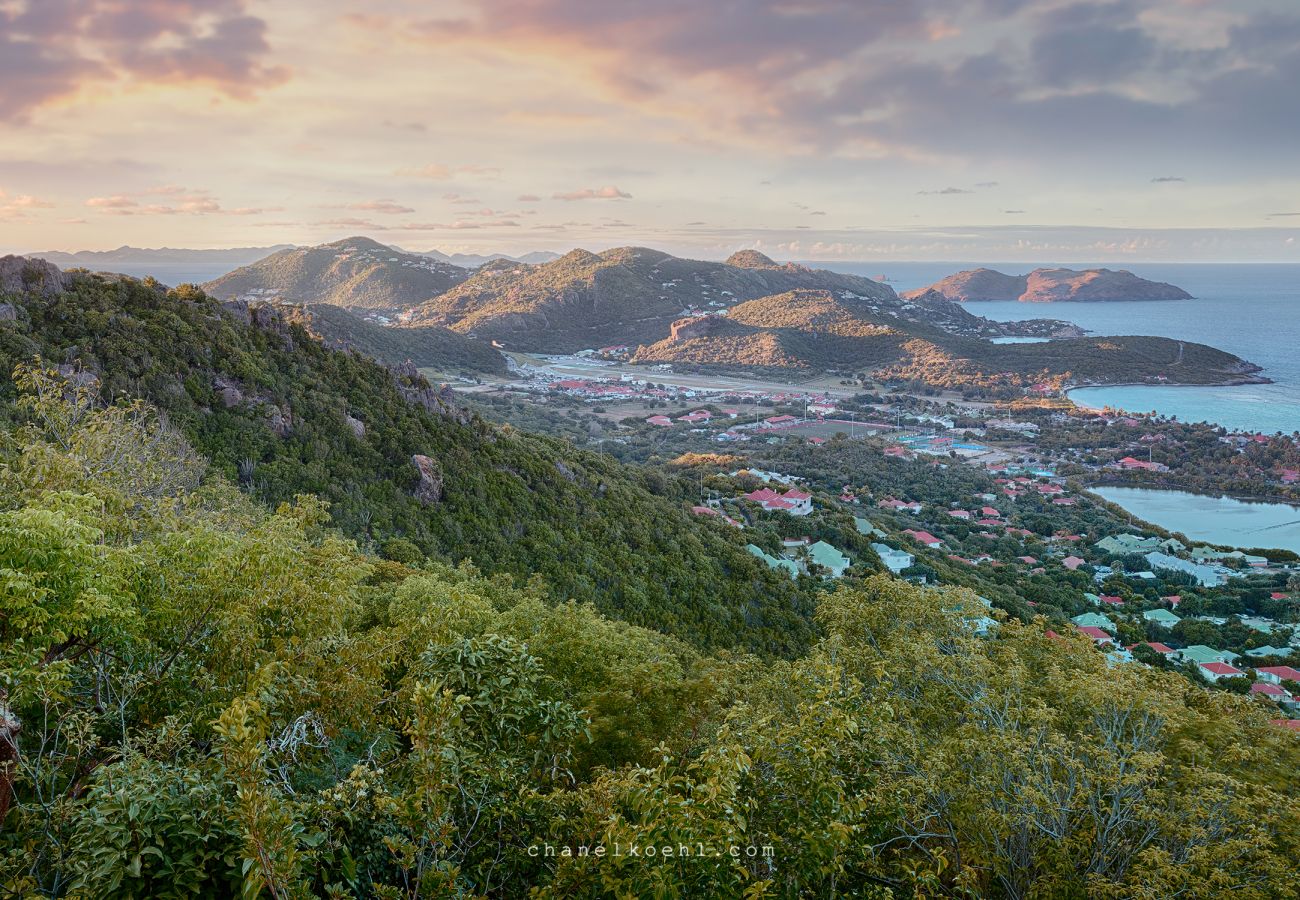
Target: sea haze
(1250, 309)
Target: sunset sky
(812, 129)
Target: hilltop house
(895, 560)
(923, 537)
(1161, 617)
(829, 558)
(1213, 671)
(795, 502)
(1278, 674)
(1093, 620)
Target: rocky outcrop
(415, 389)
(19, 274)
(355, 425)
(428, 487)
(1049, 285)
(279, 420)
(751, 259)
(697, 326)
(8, 312)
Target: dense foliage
(277, 413)
(204, 698)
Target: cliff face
(1050, 285)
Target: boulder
(356, 425)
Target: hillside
(428, 347)
(281, 415)
(355, 273)
(625, 295)
(815, 330)
(1050, 285)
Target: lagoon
(1217, 520)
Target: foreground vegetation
(204, 697)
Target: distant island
(1050, 286)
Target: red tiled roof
(1219, 668)
(1285, 673)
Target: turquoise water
(1252, 310)
(1218, 520)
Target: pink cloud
(50, 48)
(529, 198)
(608, 192)
(389, 207)
(116, 201)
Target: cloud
(389, 207)
(528, 198)
(442, 172)
(1013, 212)
(986, 184)
(20, 207)
(50, 49)
(116, 201)
(460, 199)
(1165, 179)
(185, 202)
(1017, 78)
(608, 192)
(1281, 215)
(945, 191)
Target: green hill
(817, 330)
(626, 295)
(282, 415)
(428, 347)
(355, 273)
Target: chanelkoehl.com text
(653, 851)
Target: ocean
(1252, 310)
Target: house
(829, 558)
(1131, 464)
(864, 526)
(1161, 617)
(780, 421)
(1110, 600)
(794, 502)
(1268, 650)
(1099, 637)
(1199, 653)
(923, 537)
(1278, 674)
(659, 420)
(1213, 671)
(900, 505)
(1093, 620)
(1206, 576)
(989, 512)
(959, 514)
(1158, 647)
(1271, 691)
(774, 562)
(895, 560)
(1072, 562)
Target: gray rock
(8, 312)
(18, 274)
(358, 427)
(428, 490)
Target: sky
(1035, 130)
